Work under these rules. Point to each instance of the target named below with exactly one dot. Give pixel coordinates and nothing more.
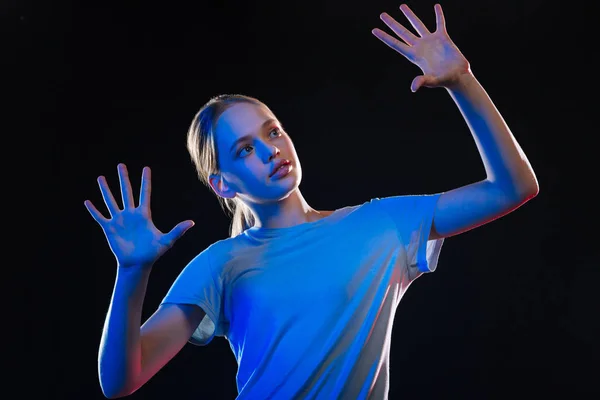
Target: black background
(512, 309)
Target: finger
(416, 83)
(414, 20)
(95, 213)
(178, 231)
(422, 80)
(398, 29)
(126, 191)
(440, 21)
(145, 189)
(109, 199)
(395, 44)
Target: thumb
(178, 231)
(419, 81)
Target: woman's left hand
(438, 57)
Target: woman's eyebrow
(248, 136)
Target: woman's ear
(220, 187)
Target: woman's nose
(272, 152)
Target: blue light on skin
(245, 169)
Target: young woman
(305, 297)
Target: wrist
(462, 82)
(135, 272)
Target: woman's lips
(282, 171)
(278, 165)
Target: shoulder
(224, 251)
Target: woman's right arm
(129, 355)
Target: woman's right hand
(130, 232)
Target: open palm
(132, 236)
(435, 53)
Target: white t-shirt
(308, 310)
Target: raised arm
(164, 334)
(130, 355)
(510, 180)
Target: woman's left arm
(510, 179)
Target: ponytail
(242, 218)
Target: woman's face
(250, 141)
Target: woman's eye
(242, 149)
(276, 130)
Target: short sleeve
(197, 284)
(413, 217)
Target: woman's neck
(291, 211)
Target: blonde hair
(202, 146)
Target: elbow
(115, 396)
(526, 194)
(111, 390)
(519, 189)
(532, 189)
(534, 192)
(115, 380)
(110, 393)
(527, 190)
(518, 196)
